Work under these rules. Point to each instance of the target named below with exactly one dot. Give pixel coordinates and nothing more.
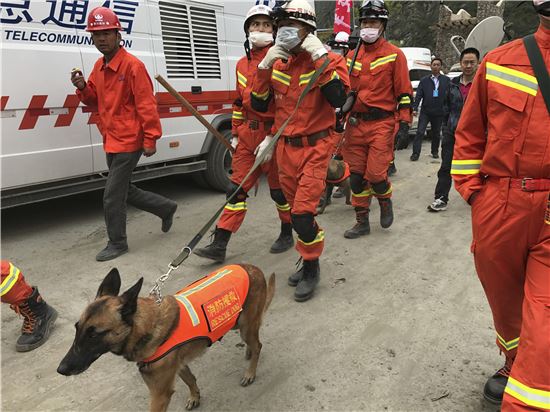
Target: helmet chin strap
(247, 48)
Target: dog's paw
(192, 403)
(247, 379)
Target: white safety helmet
(257, 10)
(341, 37)
(299, 10)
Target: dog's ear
(110, 285)
(129, 302)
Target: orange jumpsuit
(381, 78)
(503, 138)
(303, 166)
(14, 289)
(250, 127)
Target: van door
(43, 138)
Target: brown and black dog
(135, 328)
(336, 176)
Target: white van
(50, 144)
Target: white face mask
(369, 35)
(260, 38)
(287, 37)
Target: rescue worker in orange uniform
(307, 144)
(381, 78)
(121, 90)
(501, 167)
(24, 299)
(249, 128)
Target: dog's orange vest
(344, 176)
(209, 308)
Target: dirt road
(399, 322)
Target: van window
(190, 41)
(417, 74)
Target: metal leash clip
(159, 283)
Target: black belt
(311, 140)
(373, 113)
(257, 124)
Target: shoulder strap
(541, 72)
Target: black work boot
(110, 252)
(494, 387)
(296, 277)
(285, 240)
(362, 226)
(216, 249)
(38, 320)
(392, 169)
(386, 212)
(310, 279)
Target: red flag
(342, 16)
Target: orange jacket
(381, 78)
(209, 308)
(287, 81)
(504, 129)
(242, 108)
(123, 94)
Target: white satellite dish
(486, 35)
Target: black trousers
(119, 191)
(444, 180)
(423, 120)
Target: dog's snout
(63, 369)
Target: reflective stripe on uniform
(306, 77)
(10, 280)
(235, 207)
(511, 344)
(465, 167)
(364, 193)
(237, 115)
(356, 66)
(319, 238)
(529, 396)
(283, 208)
(333, 76)
(387, 192)
(512, 78)
(405, 100)
(241, 79)
(383, 60)
(281, 77)
(261, 96)
(188, 305)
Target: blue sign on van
(66, 13)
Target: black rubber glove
(402, 136)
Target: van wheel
(200, 180)
(218, 163)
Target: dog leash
(187, 250)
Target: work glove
(275, 53)
(234, 142)
(402, 136)
(262, 147)
(314, 46)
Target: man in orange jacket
(249, 128)
(121, 90)
(306, 146)
(501, 167)
(24, 299)
(381, 79)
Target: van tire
(200, 180)
(218, 163)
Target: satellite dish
(486, 35)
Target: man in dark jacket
(452, 106)
(431, 92)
